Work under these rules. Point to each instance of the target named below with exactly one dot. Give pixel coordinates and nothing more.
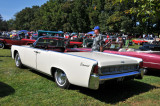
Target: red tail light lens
(95, 69)
(141, 65)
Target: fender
(53, 70)
(2, 40)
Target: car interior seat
(122, 50)
(131, 49)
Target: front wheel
(2, 45)
(61, 79)
(18, 61)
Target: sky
(8, 8)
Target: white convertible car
(69, 66)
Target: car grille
(118, 69)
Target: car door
(29, 57)
(14, 41)
(43, 60)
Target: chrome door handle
(37, 52)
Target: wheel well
(15, 52)
(53, 70)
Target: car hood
(107, 59)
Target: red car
(151, 59)
(139, 41)
(75, 44)
(8, 42)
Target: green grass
(135, 46)
(27, 87)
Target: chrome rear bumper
(95, 79)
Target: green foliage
(83, 15)
(3, 24)
(25, 17)
(79, 18)
(147, 11)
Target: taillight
(141, 64)
(95, 69)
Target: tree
(3, 24)
(147, 11)
(114, 19)
(1, 20)
(11, 24)
(25, 17)
(79, 18)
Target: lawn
(27, 87)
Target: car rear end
(112, 66)
(118, 72)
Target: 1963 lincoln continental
(70, 66)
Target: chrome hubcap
(60, 77)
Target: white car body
(77, 66)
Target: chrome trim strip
(152, 63)
(94, 82)
(107, 77)
(118, 65)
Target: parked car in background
(149, 40)
(8, 42)
(155, 46)
(74, 43)
(144, 40)
(50, 33)
(139, 41)
(151, 59)
(70, 66)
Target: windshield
(50, 42)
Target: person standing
(98, 40)
(85, 42)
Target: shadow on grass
(111, 92)
(5, 56)
(5, 89)
(41, 74)
(153, 72)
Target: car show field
(80, 53)
(28, 87)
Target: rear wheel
(2, 45)
(61, 79)
(18, 61)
